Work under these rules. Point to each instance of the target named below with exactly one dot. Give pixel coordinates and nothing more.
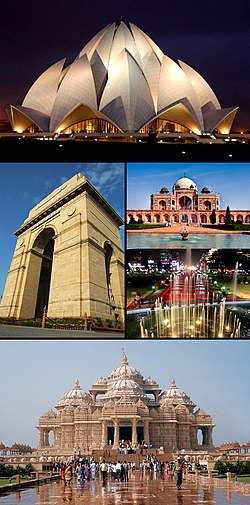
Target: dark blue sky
(24, 185)
(212, 37)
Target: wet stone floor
(140, 490)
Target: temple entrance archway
(111, 433)
(125, 433)
(140, 434)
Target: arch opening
(44, 248)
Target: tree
(228, 215)
(132, 220)
(213, 217)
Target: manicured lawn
(12, 480)
(244, 478)
(243, 290)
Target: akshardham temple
(124, 406)
(185, 203)
(121, 82)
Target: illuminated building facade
(121, 82)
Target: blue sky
(22, 186)
(36, 374)
(231, 180)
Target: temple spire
(124, 357)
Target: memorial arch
(68, 257)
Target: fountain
(235, 281)
(187, 309)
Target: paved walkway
(11, 331)
(139, 490)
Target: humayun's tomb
(121, 83)
(124, 407)
(185, 204)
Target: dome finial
(77, 382)
(124, 357)
(173, 382)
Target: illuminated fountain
(187, 309)
(235, 281)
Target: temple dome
(121, 81)
(164, 190)
(205, 190)
(125, 370)
(76, 396)
(185, 183)
(125, 387)
(174, 396)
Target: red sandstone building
(186, 204)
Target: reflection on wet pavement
(140, 490)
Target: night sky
(212, 37)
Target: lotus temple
(121, 83)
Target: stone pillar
(229, 476)
(210, 436)
(116, 434)
(41, 437)
(134, 432)
(104, 434)
(146, 432)
(46, 438)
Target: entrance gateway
(125, 433)
(68, 257)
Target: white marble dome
(185, 183)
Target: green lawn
(12, 480)
(243, 290)
(244, 478)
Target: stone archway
(185, 203)
(43, 249)
(60, 259)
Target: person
(104, 469)
(125, 467)
(68, 474)
(118, 470)
(178, 469)
(62, 472)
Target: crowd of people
(85, 469)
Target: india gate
(68, 257)
(125, 406)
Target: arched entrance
(44, 248)
(125, 433)
(185, 203)
(184, 218)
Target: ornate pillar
(210, 436)
(116, 434)
(46, 437)
(41, 437)
(146, 432)
(104, 434)
(134, 432)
